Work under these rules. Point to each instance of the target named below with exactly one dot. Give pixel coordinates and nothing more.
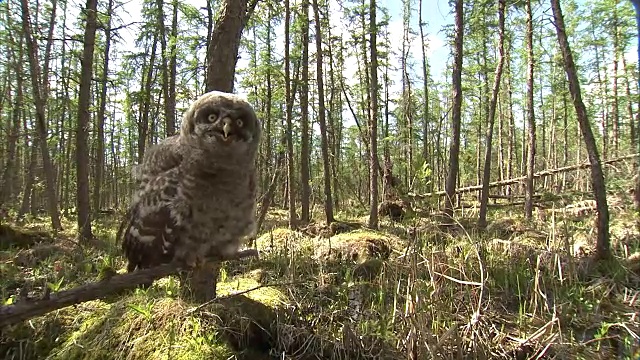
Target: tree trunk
(224, 44)
(100, 163)
(511, 143)
(335, 121)
(222, 54)
(289, 99)
(614, 107)
(305, 194)
(9, 182)
(603, 250)
(454, 151)
(326, 166)
(632, 128)
(486, 176)
(373, 126)
(145, 98)
(603, 96)
(531, 120)
(425, 85)
(162, 34)
(170, 111)
(636, 6)
(41, 124)
(84, 98)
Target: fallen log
(522, 178)
(30, 308)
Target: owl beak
(226, 129)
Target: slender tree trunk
(30, 177)
(531, 120)
(304, 118)
(170, 112)
(425, 87)
(603, 99)
(41, 124)
(614, 105)
(452, 176)
(147, 81)
(373, 126)
(630, 102)
(326, 166)
(603, 250)
(511, 143)
(100, 118)
(335, 121)
(164, 60)
(10, 169)
(289, 99)
(82, 134)
(636, 6)
(486, 176)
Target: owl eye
(212, 117)
(239, 122)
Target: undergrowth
(517, 290)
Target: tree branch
(28, 309)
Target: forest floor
(517, 290)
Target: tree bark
(603, 250)
(454, 151)
(224, 44)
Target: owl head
(223, 124)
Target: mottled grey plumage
(197, 194)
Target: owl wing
(155, 221)
(161, 157)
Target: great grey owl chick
(197, 194)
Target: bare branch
(28, 309)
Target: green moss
(139, 327)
